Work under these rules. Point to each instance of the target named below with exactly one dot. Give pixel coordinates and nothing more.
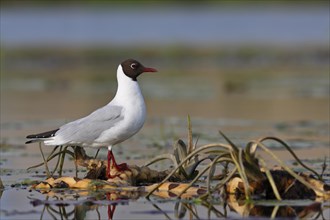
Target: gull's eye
(134, 66)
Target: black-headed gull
(109, 125)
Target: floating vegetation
(217, 169)
(246, 174)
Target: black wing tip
(46, 134)
(31, 136)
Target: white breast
(128, 96)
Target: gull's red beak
(148, 69)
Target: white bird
(109, 125)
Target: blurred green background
(241, 60)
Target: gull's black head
(133, 68)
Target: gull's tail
(41, 136)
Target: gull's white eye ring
(133, 66)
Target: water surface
(245, 91)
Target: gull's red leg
(119, 167)
(109, 163)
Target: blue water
(153, 25)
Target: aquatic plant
(181, 151)
(247, 165)
(244, 172)
(58, 152)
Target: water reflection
(59, 209)
(101, 205)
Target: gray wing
(89, 128)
